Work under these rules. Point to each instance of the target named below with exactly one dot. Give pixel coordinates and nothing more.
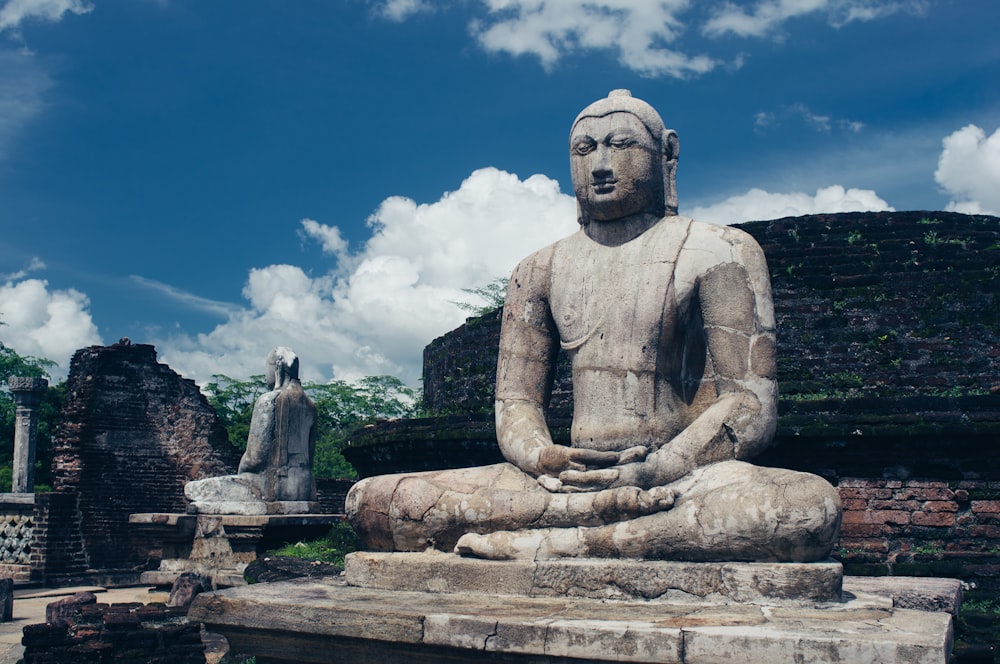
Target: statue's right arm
(261, 435)
(529, 343)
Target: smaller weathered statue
(275, 473)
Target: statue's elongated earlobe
(671, 145)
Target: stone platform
(757, 583)
(488, 614)
(220, 546)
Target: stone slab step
(326, 620)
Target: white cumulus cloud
(768, 16)
(758, 204)
(638, 31)
(395, 294)
(969, 169)
(15, 12)
(645, 35)
(45, 323)
(400, 10)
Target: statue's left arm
(733, 295)
(737, 312)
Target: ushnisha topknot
(623, 101)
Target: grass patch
(341, 541)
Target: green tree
(14, 364)
(341, 407)
(233, 401)
(345, 407)
(491, 297)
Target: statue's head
(282, 366)
(623, 160)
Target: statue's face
(616, 167)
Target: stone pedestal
(475, 611)
(27, 393)
(221, 546)
(756, 583)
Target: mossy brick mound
(889, 355)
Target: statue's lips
(604, 186)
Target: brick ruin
(133, 433)
(889, 382)
(133, 632)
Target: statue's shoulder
(716, 237)
(542, 259)
(716, 233)
(710, 245)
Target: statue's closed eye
(584, 146)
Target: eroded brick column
(27, 392)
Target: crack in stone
(491, 635)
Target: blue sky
(221, 177)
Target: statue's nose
(601, 166)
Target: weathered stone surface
(313, 621)
(187, 586)
(918, 593)
(766, 583)
(221, 546)
(59, 612)
(134, 433)
(669, 328)
(275, 473)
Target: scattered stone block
(186, 587)
(58, 613)
(918, 593)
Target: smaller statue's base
(598, 578)
(220, 546)
(254, 507)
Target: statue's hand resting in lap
(571, 469)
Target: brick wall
(57, 550)
(331, 494)
(134, 432)
(922, 528)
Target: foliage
(341, 541)
(345, 407)
(492, 296)
(14, 364)
(233, 401)
(341, 407)
(981, 606)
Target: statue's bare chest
(615, 302)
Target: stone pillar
(27, 394)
